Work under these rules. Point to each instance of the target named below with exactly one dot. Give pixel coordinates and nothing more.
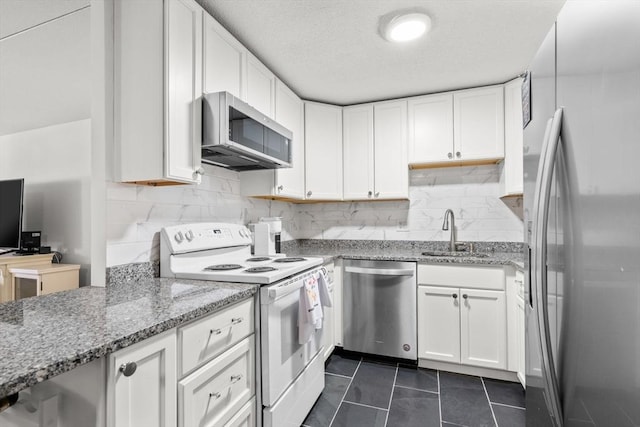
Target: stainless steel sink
(456, 254)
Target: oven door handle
(381, 271)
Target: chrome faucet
(445, 226)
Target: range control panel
(205, 235)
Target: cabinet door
(511, 179)
(478, 123)
(431, 128)
(327, 328)
(224, 60)
(358, 163)
(521, 363)
(261, 85)
(323, 151)
(483, 329)
(439, 323)
(290, 113)
(148, 396)
(183, 109)
(390, 148)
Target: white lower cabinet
(462, 325)
(146, 385)
(214, 393)
(520, 342)
(141, 387)
(328, 321)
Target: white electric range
(291, 374)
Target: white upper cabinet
(224, 60)
(323, 151)
(375, 144)
(511, 179)
(390, 148)
(478, 124)
(261, 86)
(358, 161)
(457, 127)
(290, 114)
(430, 128)
(158, 91)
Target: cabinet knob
(450, 155)
(465, 296)
(377, 194)
(200, 171)
(128, 368)
(309, 193)
(455, 296)
(370, 193)
(458, 155)
(280, 187)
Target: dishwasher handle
(381, 271)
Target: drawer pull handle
(235, 378)
(234, 321)
(215, 395)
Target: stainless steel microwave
(237, 136)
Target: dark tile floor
(367, 393)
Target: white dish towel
(313, 295)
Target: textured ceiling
(331, 50)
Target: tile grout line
(337, 375)
(395, 377)
(439, 398)
(416, 389)
(345, 393)
(508, 406)
(366, 406)
(486, 393)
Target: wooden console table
(9, 261)
(43, 279)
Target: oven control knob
(189, 235)
(179, 237)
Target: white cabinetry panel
(224, 60)
(431, 128)
(478, 123)
(358, 152)
(148, 395)
(390, 139)
(261, 86)
(483, 332)
(438, 324)
(323, 151)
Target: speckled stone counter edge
(41, 373)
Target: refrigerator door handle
(539, 259)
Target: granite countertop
(498, 254)
(45, 336)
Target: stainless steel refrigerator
(582, 219)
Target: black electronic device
(30, 242)
(11, 199)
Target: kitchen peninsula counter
(42, 337)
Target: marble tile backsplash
(136, 214)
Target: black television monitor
(11, 197)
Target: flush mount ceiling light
(406, 27)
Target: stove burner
(259, 269)
(223, 267)
(259, 258)
(290, 259)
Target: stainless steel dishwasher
(379, 308)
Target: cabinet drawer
(204, 339)
(467, 276)
(246, 417)
(213, 394)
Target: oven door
(283, 357)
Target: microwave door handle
(539, 259)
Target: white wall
(45, 121)
(136, 214)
